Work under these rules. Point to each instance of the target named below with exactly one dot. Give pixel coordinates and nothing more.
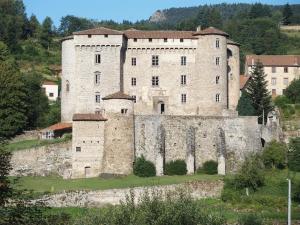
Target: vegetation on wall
(143, 168)
(177, 167)
(209, 167)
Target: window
(183, 60)
(273, 69)
(217, 97)
(67, 86)
(155, 81)
(273, 81)
(134, 39)
(150, 39)
(286, 81)
(165, 39)
(181, 39)
(133, 61)
(217, 61)
(273, 91)
(124, 111)
(183, 98)
(286, 69)
(89, 36)
(78, 149)
(97, 77)
(98, 59)
(106, 35)
(155, 60)
(218, 43)
(97, 98)
(183, 80)
(134, 98)
(217, 79)
(133, 81)
(51, 94)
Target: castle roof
(243, 81)
(88, 117)
(99, 31)
(231, 42)
(158, 34)
(274, 60)
(118, 95)
(211, 31)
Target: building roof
(158, 34)
(274, 60)
(49, 82)
(243, 81)
(58, 126)
(231, 42)
(67, 38)
(99, 31)
(118, 95)
(211, 31)
(88, 117)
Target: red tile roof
(118, 95)
(211, 31)
(59, 126)
(158, 34)
(99, 31)
(88, 117)
(243, 81)
(274, 60)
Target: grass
(27, 144)
(57, 184)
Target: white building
(51, 90)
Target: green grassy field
(56, 184)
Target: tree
(259, 10)
(294, 154)
(274, 155)
(244, 106)
(5, 167)
(257, 91)
(47, 32)
(12, 96)
(70, 24)
(34, 26)
(287, 14)
(292, 92)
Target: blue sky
(117, 10)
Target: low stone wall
(47, 160)
(26, 135)
(197, 189)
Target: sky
(118, 10)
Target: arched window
(217, 97)
(67, 86)
(97, 77)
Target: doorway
(87, 171)
(161, 107)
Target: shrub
(274, 155)
(296, 192)
(209, 167)
(281, 101)
(294, 154)
(250, 219)
(144, 168)
(288, 111)
(177, 167)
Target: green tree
(259, 10)
(70, 24)
(244, 106)
(292, 92)
(294, 154)
(274, 155)
(5, 167)
(12, 96)
(47, 32)
(257, 91)
(34, 26)
(287, 14)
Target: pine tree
(5, 167)
(287, 14)
(244, 106)
(257, 91)
(47, 32)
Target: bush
(296, 192)
(294, 154)
(144, 168)
(281, 101)
(288, 111)
(209, 167)
(250, 219)
(274, 155)
(177, 167)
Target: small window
(78, 149)
(133, 61)
(273, 81)
(155, 60)
(98, 98)
(217, 79)
(286, 69)
(98, 59)
(286, 81)
(89, 36)
(134, 39)
(217, 61)
(183, 80)
(67, 86)
(150, 39)
(273, 69)
(155, 81)
(217, 97)
(134, 98)
(181, 39)
(183, 98)
(217, 43)
(51, 94)
(97, 78)
(133, 81)
(183, 60)
(124, 111)
(106, 35)
(165, 39)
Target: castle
(165, 95)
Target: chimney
(198, 28)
